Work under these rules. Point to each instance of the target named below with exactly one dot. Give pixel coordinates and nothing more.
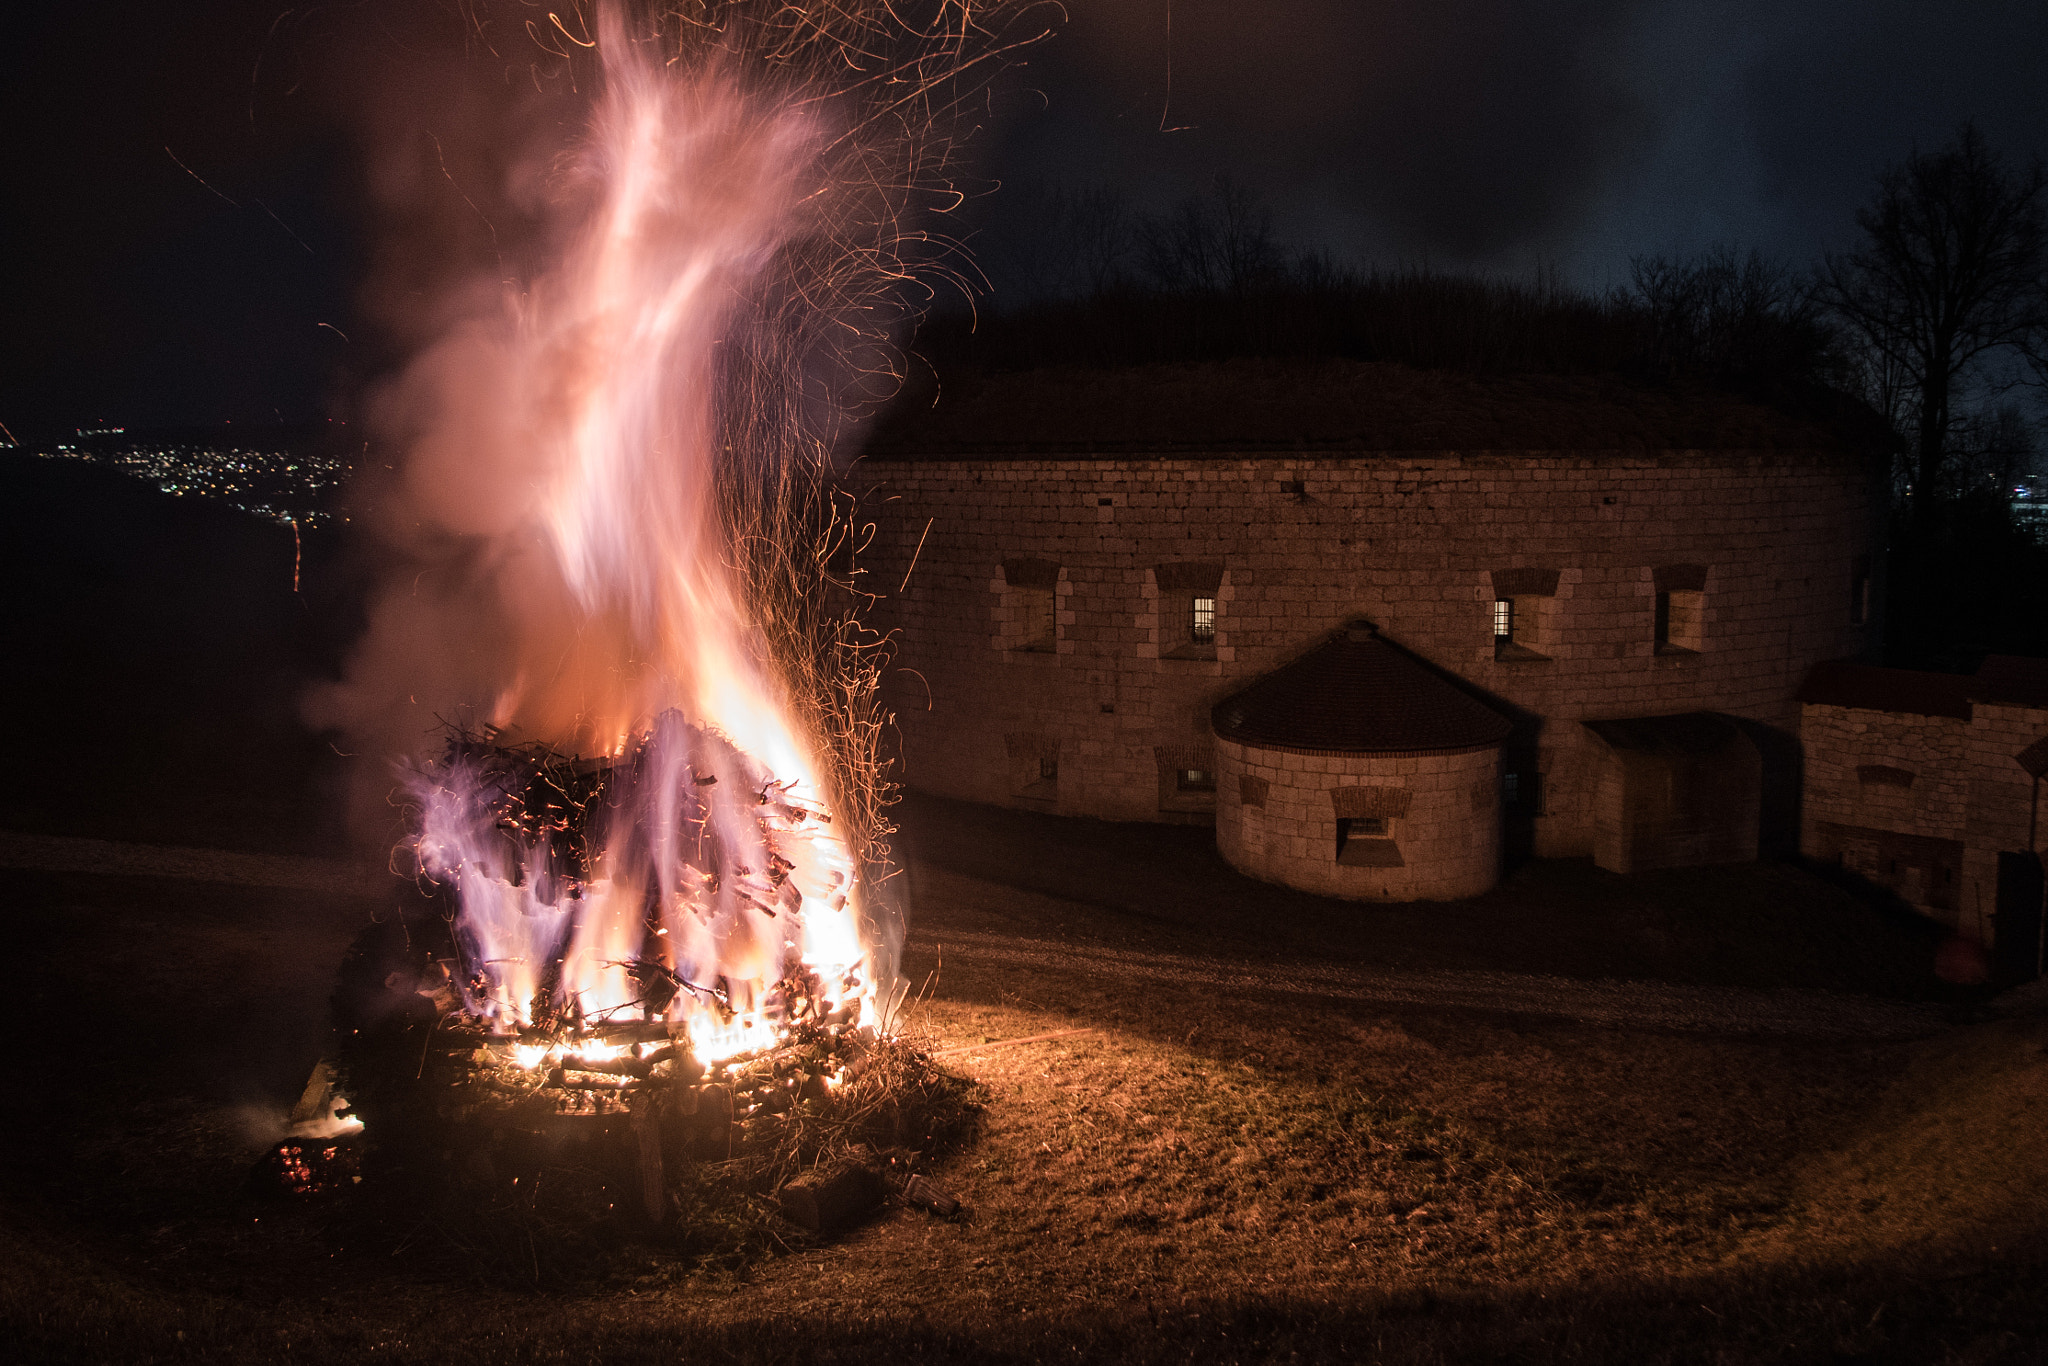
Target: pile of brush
(614, 1135)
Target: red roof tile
(1358, 694)
(2008, 680)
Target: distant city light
(289, 487)
(2029, 505)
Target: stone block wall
(1436, 831)
(1304, 543)
(2005, 810)
(1924, 804)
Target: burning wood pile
(646, 968)
(676, 880)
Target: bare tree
(1993, 448)
(1058, 242)
(1247, 250)
(1178, 247)
(1211, 243)
(1950, 275)
(1742, 320)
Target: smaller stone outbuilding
(1359, 771)
(1929, 785)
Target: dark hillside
(156, 651)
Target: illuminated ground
(1260, 1152)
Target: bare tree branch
(1949, 276)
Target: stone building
(1079, 566)
(1396, 801)
(1929, 785)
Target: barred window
(1503, 618)
(1205, 621)
(1195, 780)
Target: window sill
(1034, 649)
(1669, 651)
(1195, 652)
(1370, 853)
(1512, 652)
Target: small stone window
(1522, 792)
(1189, 594)
(1523, 602)
(1030, 606)
(1036, 624)
(1362, 843)
(1187, 778)
(1679, 624)
(1365, 825)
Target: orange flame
(609, 374)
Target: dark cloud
(1501, 134)
(1506, 135)
(138, 288)
(1463, 129)
(1835, 96)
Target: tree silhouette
(1744, 322)
(1949, 276)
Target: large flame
(712, 861)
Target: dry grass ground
(1212, 1174)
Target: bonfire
(648, 904)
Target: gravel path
(1658, 1005)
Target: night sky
(189, 242)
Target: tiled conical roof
(1357, 694)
